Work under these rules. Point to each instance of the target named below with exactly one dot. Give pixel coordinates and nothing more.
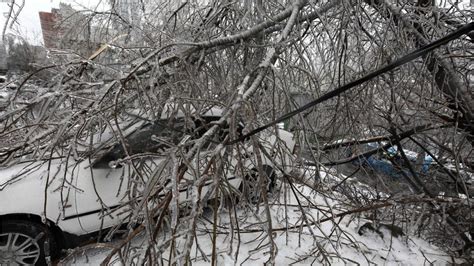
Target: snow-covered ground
(334, 242)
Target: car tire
(30, 239)
(249, 187)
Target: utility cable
(407, 58)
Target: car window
(150, 138)
(161, 135)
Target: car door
(101, 185)
(94, 195)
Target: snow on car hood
(32, 169)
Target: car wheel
(250, 188)
(23, 243)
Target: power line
(407, 58)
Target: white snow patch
(301, 245)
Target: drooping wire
(405, 59)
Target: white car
(47, 205)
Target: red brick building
(49, 26)
(65, 28)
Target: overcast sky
(28, 23)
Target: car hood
(26, 170)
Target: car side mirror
(115, 164)
(102, 164)
(107, 162)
